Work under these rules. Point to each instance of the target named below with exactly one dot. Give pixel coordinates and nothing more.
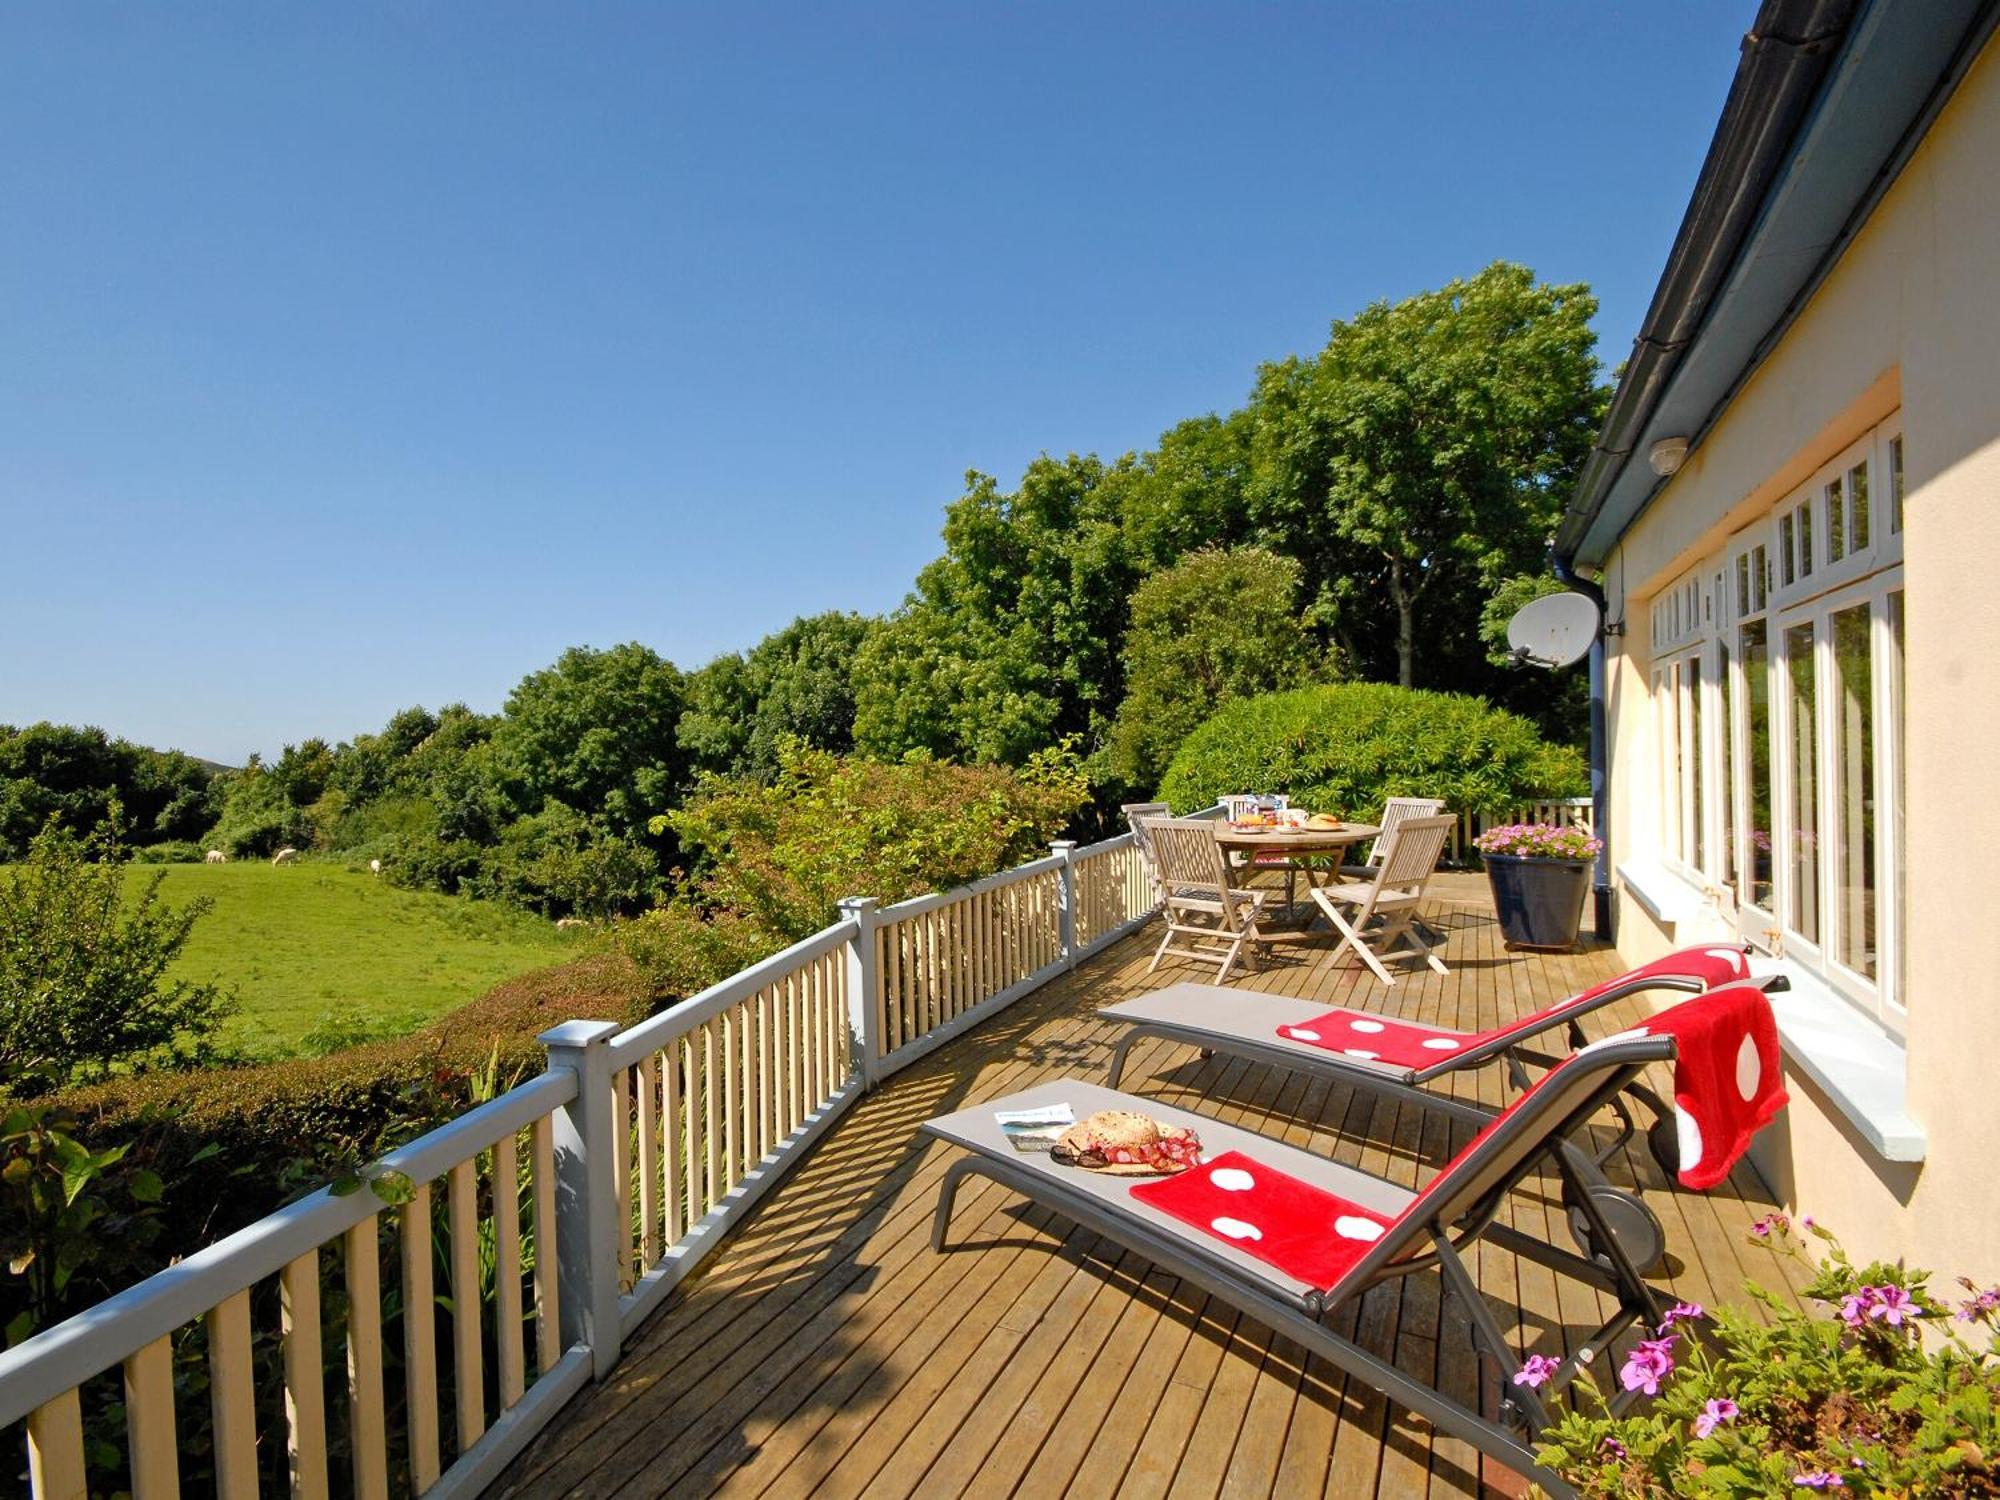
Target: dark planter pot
(1540, 901)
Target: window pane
(1802, 901)
(1787, 550)
(1725, 780)
(1895, 741)
(1895, 484)
(1670, 765)
(1755, 889)
(1805, 541)
(1836, 524)
(1857, 505)
(1697, 761)
(1760, 577)
(1743, 584)
(1854, 788)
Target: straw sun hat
(1124, 1144)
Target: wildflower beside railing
(633, 1154)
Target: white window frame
(1693, 618)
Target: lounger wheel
(1663, 1139)
(1635, 1226)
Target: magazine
(1035, 1129)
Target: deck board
(826, 1351)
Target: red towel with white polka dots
(1405, 1044)
(1728, 1077)
(1310, 1234)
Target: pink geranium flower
(1647, 1365)
(1879, 1304)
(1536, 1370)
(1713, 1414)
(1681, 1311)
(1981, 1306)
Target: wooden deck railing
(204, 1305)
(643, 1148)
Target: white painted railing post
(1065, 850)
(863, 1007)
(587, 1236)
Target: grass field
(317, 952)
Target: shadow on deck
(827, 1351)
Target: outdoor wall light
(1667, 455)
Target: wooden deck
(827, 1351)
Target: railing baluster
(232, 1399)
(468, 1365)
(305, 1376)
(419, 1341)
(548, 1291)
(648, 1076)
(746, 1094)
(367, 1419)
(55, 1450)
(149, 1422)
(671, 1176)
(507, 1339)
(621, 1170)
(713, 1067)
(767, 1000)
(798, 991)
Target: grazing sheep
(284, 856)
(564, 924)
(374, 867)
(215, 857)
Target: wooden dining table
(1251, 842)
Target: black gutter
(1787, 55)
(1600, 781)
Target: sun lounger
(1290, 1238)
(1379, 1051)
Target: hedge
(1344, 748)
(232, 1144)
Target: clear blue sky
(359, 355)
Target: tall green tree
(596, 731)
(1215, 626)
(797, 683)
(1010, 641)
(1423, 456)
(76, 775)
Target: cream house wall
(1909, 319)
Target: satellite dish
(1553, 631)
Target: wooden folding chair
(1395, 811)
(1216, 919)
(1377, 917)
(1135, 814)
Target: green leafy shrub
(83, 985)
(1861, 1403)
(783, 853)
(1344, 748)
(170, 852)
(682, 950)
(67, 1212)
(558, 862)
